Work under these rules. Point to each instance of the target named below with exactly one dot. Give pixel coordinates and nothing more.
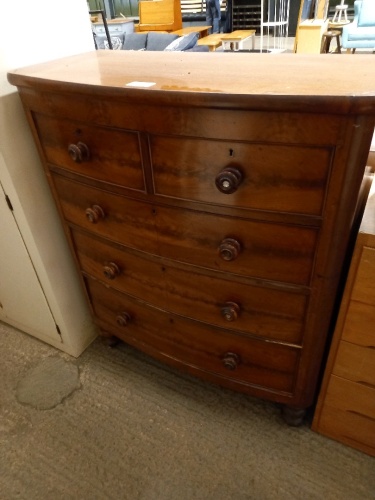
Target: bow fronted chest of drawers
(209, 202)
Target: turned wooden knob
(94, 214)
(79, 152)
(230, 311)
(228, 180)
(111, 270)
(123, 319)
(231, 360)
(229, 249)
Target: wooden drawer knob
(230, 311)
(94, 214)
(123, 319)
(229, 249)
(111, 270)
(228, 180)
(231, 360)
(79, 152)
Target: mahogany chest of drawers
(209, 202)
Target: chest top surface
(286, 82)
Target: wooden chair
(160, 15)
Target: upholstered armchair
(360, 34)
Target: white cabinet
(39, 285)
(115, 27)
(26, 306)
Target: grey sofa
(152, 41)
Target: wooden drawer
(273, 176)
(357, 321)
(364, 286)
(348, 414)
(125, 220)
(277, 252)
(195, 345)
(361, 310)
(112, 155)
(355, 363)
(263, 312)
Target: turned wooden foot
(293, 416)
(112, 342)
(109, 340)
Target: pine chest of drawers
(346, 404)
(209, 202)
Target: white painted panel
(22, 301)
(46, 29)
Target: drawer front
(271, 177)
(115, 217)
(277, 252)
(229, 356)
(357, 321)
(356, 363)
(263, 312)
(348, 414)
(361, 311)
(364, 286)
(248, 248)
(109, 155)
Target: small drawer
(257, 311)
(230, 357)
(239, 174)
(110, 155)
(355, 363)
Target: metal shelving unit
(270, 19)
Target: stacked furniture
(209, 210)
(246, 15)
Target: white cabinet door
(22, 301)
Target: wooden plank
(212, 41)
(201, 30)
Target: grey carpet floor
(124, 427)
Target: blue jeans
(213, 15)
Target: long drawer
(213, 351)
(259, 176)
(277, 252)
(213, 299)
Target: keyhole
(231, 152)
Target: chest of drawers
(346, 404)
(209, 216)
